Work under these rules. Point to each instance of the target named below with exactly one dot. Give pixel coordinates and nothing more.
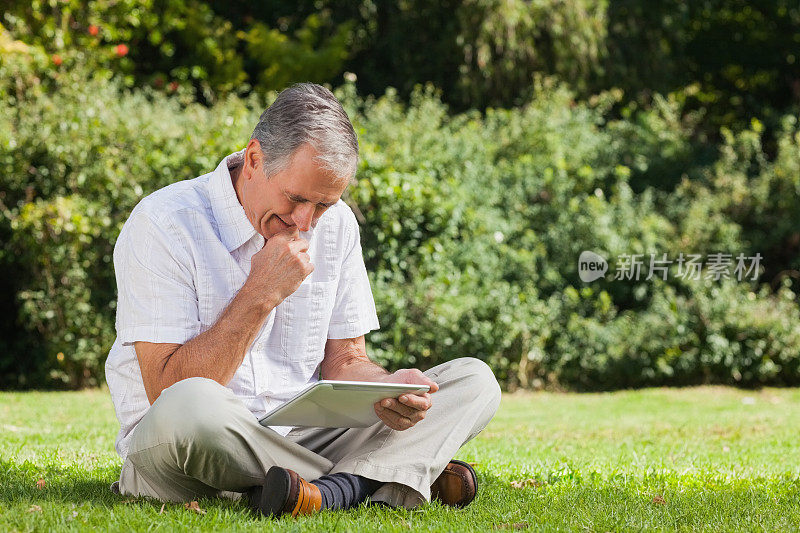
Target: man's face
(294, 197)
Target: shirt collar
(234, 227)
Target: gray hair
(307, 113)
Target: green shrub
(471, 228)
(748, 200)
(662, 142)
(718, 333)
(67, 304)
(75, 161)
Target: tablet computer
(337, 404)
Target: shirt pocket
(306, 315)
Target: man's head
(300, 158)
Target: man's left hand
(403, 412)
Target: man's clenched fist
(280, 266)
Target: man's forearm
(360, 370)
(349, 362)
(218, 352)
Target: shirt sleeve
(354, 310)
(156, 296)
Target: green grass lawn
(706, 458)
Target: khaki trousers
(198, 439)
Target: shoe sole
(275, 492)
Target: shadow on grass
(51, 481)
(73, 484)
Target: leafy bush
(498, 232)
(717, 333)
(74, 161)
(749, 198)
(471, 228)
(66, 304)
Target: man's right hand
(278, 269)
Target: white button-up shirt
(180, 259)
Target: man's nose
(302, 216)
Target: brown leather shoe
(285, 492)
(457, 486)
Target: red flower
(121, 50)
(93, 30)
(57, 60)
(173, 86)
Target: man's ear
(253, 159)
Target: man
(235, 291)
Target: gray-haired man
(237, 289)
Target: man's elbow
(154, 363)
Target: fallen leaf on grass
(659, 500)
(194, 506)
(41, 484)
(530, 482)
(164, 505)
(516, 525)
(35, 509)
